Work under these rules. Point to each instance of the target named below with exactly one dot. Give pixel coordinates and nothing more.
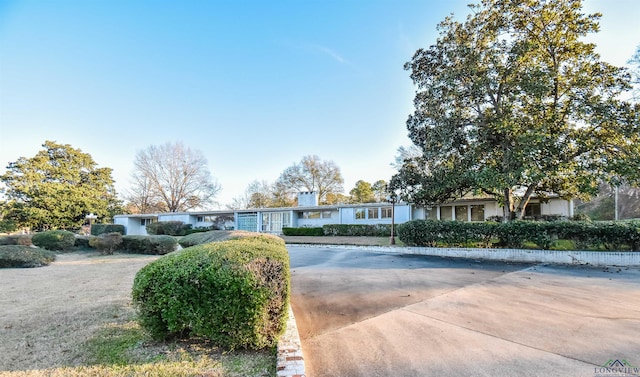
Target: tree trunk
(520, 210)
(507, 209)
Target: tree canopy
(365, 192)
(261, 194)
(312, 174)
(57, 188)
(362, 193)
(512, 103)
(171, 178)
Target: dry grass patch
(74, 318)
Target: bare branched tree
(313, 174)
(173, 175)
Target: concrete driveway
(362, 313)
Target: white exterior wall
(557, 207)
(419, 213)
(313, 223)
(402, 213)
(492, 209)
(131, 225)
(184, 217)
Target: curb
(589, 258)
(290, 359)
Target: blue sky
(254, 85)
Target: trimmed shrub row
(106, 243)
(319, 231)
(56, 240)
(456, 233)
(368, 230)
(12, 256)
(62, 240)
(16, 239)
(98, 229)
(169, 228)
(234, 293)
(213, 236)
(155, 245)
(514, 234)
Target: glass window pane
(373, 213)
(431, 213)
(477, 212)
(360, 214)
(386, 212)
(446, 213)
(532, 210)
(461, 213)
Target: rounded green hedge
(154, 245)
(12, 256)
(98, 229)
(621, 235)
(234, 293)
(57, 240)
(317, 231)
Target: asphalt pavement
(365, 313)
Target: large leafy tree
(172, 177)
(312, 174)
(634, 67)
(57, 188)
(362, 193)
(513, 103)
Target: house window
(360, 214)
(386, 212)
(326, 214)
(274, 221)
(312, 215)
(248, 221)
(431, 213)
(477, 212)
(461, 213)
(372, 213)
(446, 213)
(145, 222)
(532, 210)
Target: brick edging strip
(290, 359)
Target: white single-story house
(309, 214)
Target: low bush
(169, 228)
(357, 230)
(16, 239)
(98, 229)
(518, 234)
(154, 245)
(106, 243)
(234, 293)
(454, 233)
(12, 256)
(303, 231)
(57, 240)
(82, 242)
(213, 236)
